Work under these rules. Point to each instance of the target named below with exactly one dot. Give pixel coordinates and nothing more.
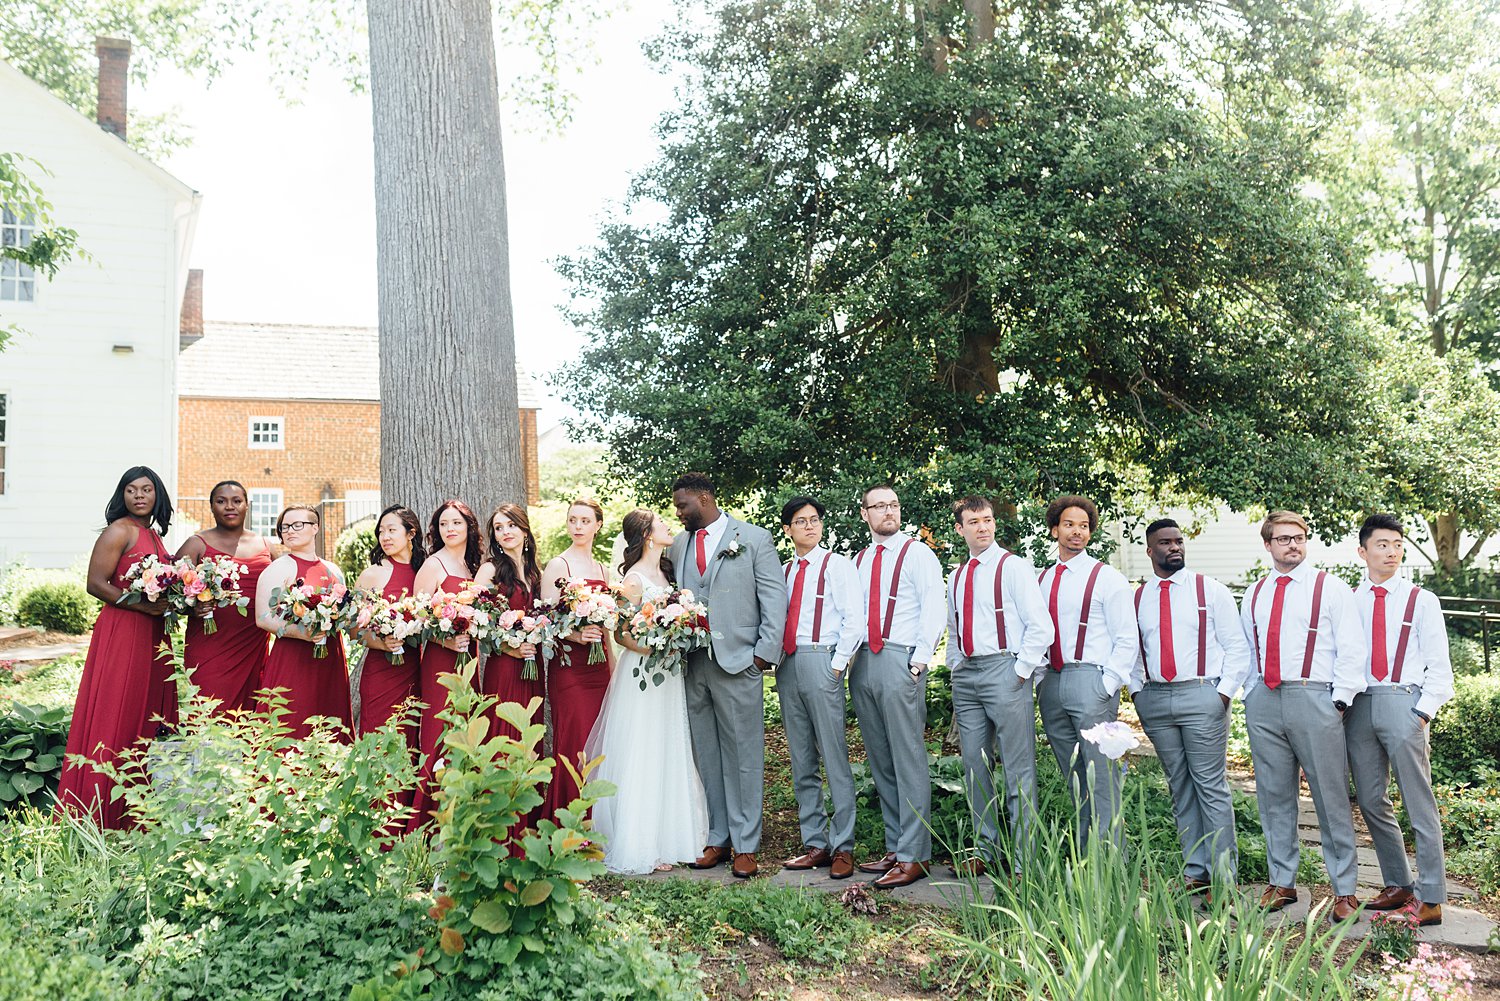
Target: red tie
(968, 638)
(1379, 666)
(1273, 635)
(1057, 661)
(702, 535)
(794, 611)
(877, 642)
(1168, 655)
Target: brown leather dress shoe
(744, 866)
(968, 867)
(843, 865)
(1192, 886)
(712, 855)
(901, 874)
(1343, 908)
(1429, 915)
(882, 865)
(1391, 898)
(1277, 897)
(813, 858)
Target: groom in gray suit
(734, 569)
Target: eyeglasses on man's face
(812, 521)
(1289, 540)
(296, 526)
(884, 506)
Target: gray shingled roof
(246, 361)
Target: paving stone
(35, 653)
(1462, 928)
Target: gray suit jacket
(745, 594)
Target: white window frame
(263, 520)
(266, 432)
(4, 442)
(16, 277)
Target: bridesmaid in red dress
(127, 693)
(311, 685)
(398, 555)
(511, 569)
(575, 688)
(453, 559)
(227, 664)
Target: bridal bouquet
(670, 625)
(382, 617)
(319, 610)
(213, 581)
(540, 627)
(585, 604)
(151, 578)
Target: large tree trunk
(449, 424)
(1445, 530)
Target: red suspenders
(1312, 621)
(890, 603)
(1406, 620)
(817, 630)
(1083, 617)
(1202, 624)
(1005, 554)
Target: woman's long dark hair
(411, 523)
(161, 513)
(473, 556)
(637, 529)
(505, 568)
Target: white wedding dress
(658, 814)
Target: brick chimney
(190, 324)
(114, 70)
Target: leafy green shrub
(49, 684)
(62, 606)
(1466, 732)
(16, 579)
(625, 965)
(27, 973)
(1467, 655)
(352, 550)
(32, 742)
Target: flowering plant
(1113, 739)
(1393, 934)
(669, 624)
(213, 581)
(586, 604)
(319, 610)
(400, 619)
(516, 627)
(1430, 976)
(151, 578)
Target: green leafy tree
(1020, 263)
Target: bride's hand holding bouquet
(668, 625)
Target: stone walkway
(29, 654)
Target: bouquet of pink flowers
(448, 616)
(670, 624)
(213, 581)
(151, 578)
(515, 627)
(401, 619)
(586, 604)
(316, 609)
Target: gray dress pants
(812, 710)
(1385, 736)
(1189, 726)
(991, 706)
(1073, 700)
(726, 718)
(1294, 726)
(892, 710)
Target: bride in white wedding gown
(658, 815)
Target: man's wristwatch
(1341, 705)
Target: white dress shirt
(1028, 627)
(921, 607)
(843, 619)
(1111, 641)
(1226, 652)
(1341, 655)
(715, 531)
(1426, 664)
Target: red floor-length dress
(314, 686)
(383, 686)
(502, 679)
(436, 660)
(575, 690)
(228, 664)
(125, 696)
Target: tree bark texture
(449, 424)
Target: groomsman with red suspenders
(1094, 654)
(825, 624)
(1409, 679)
(902, 584)
(998, 636)
(1311, 656)
(1193, 648)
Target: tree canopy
(1041, 261)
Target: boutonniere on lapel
(730, 551)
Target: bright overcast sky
(287, 228)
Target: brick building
(315, 441)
